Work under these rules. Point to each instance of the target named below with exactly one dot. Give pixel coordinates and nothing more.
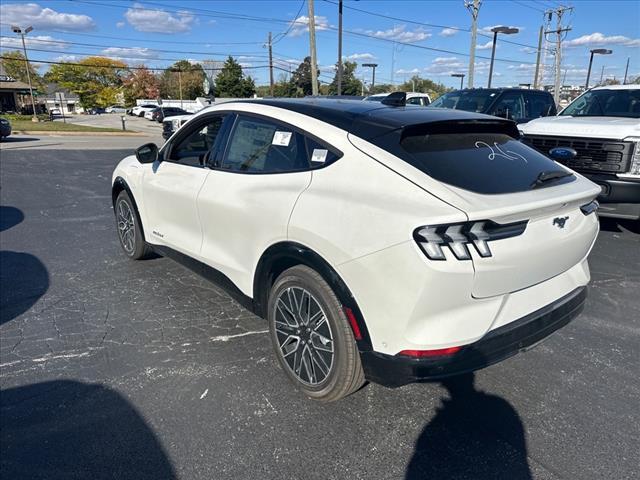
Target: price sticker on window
(319, 155)
(281, 139)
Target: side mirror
(147, 153)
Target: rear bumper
(497, 345)
(620, 198)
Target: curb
(79, 134)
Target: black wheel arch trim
(288, 254)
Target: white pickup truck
(598, 136)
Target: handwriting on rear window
(496, 152)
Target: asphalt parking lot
(117, 369)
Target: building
(14, 94)
(62, 99)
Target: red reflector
(354, 323)
(441, 352)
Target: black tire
(344, 374)
(141, 114)
(132, 243)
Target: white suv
(380, 242)
(412, 98)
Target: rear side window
(480, 161)
(539, 105)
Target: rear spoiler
(506, 127)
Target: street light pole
(19, 31)
(460, 76)
(373, 79)
(595, 51)
(496, 31)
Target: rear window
(480, 161)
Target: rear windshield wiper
(547, 176)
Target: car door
(247, 198)
(171, 186)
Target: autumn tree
(182, 74)
(15, 66)
(96, 80)
(350, 84)
(140, 83)
(232, 83)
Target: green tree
(140, 83)
(14, 65)
(301, 78)
(284, 87)
(381, 88)
(94, 79)
(232, 83)
(190, 76)
(424, 85)
(350, 84)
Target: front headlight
(634, 170)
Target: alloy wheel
(126, 227)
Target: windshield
(469, 100)
(606, 103)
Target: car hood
(600, 127)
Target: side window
(510, 105)
(538, 105)
(260, 146)
(414, 101)
(193, 148)
(319, 155)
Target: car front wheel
(312, 337)
(129, 228)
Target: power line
(280, 36)
(522, 4)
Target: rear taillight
(441, 352)
(457, 237)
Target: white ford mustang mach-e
(380, 241)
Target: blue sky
(158, 32)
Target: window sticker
(281, 139)
(319, 155)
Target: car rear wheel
(129, 228)
(312, 337)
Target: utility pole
(535, 77)
(559, 31)
(64, 119)
(340, 47)
(626, 70)
(270, 66)
(312, 46)
(474, 9)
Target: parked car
(159, 114)
(140, 110)
(115, 109)
(5, 128)
(380, 242)
(55, 112)
(598, 135)
(413, 98)
(517, 104)
(171, 124)
(96, 111)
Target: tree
(301, 78)
(182, 72)
(424, 85)
(140, 83)
(95, 80)
(350, 84)
(14, 65)
(381, 88)
(285, 87)
(231, 82)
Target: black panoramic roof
(369, 119)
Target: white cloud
(400, 34)
(485, 46)
(327, 68)
(130, 53)
(120, 24)
(413, 71)
(448, 32)
(25, 14)
(360, 56)
(301, 25)
(66, 58)
(245, 64)
(528, 50)
(33, 42)
(598, 38)
(446, 66)
(156, 20)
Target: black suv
(517, 104)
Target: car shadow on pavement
(23, 277)
(473, 435)
(72, 430)
(619, 225)
(13, 139)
